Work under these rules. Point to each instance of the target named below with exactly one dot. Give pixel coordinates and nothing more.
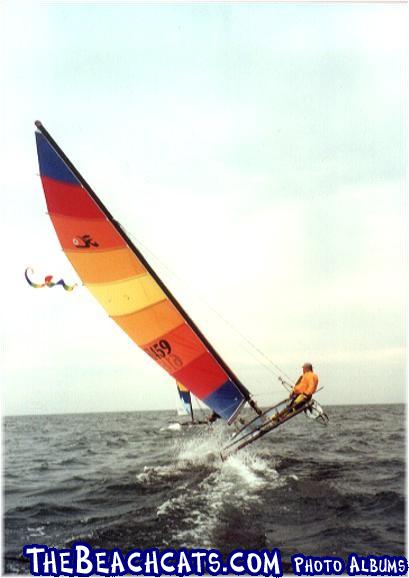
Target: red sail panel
(70, 200)
(179, 344)
(118, 277)
(203, 376)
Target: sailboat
(117, 274)
(186, 407)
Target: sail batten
(124, 283)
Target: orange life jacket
(307, 384)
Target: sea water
(127, 480)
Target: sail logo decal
(84, 242)
(161, 350)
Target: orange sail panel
(127, 288)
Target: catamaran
(186, 408)
(117, 274)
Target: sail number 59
(162, 353)
(159, 350)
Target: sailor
(305, 387)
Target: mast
(148, 267)
(191, 410)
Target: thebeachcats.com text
(82, 560)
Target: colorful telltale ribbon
(48, 282)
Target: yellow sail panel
(105, 266)
(124, 297)
(147, 324)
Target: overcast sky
(255, 153)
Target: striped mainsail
(123, 282)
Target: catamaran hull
(268, 421)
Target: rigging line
(259, 351)
(269, 392)
(202, 411)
